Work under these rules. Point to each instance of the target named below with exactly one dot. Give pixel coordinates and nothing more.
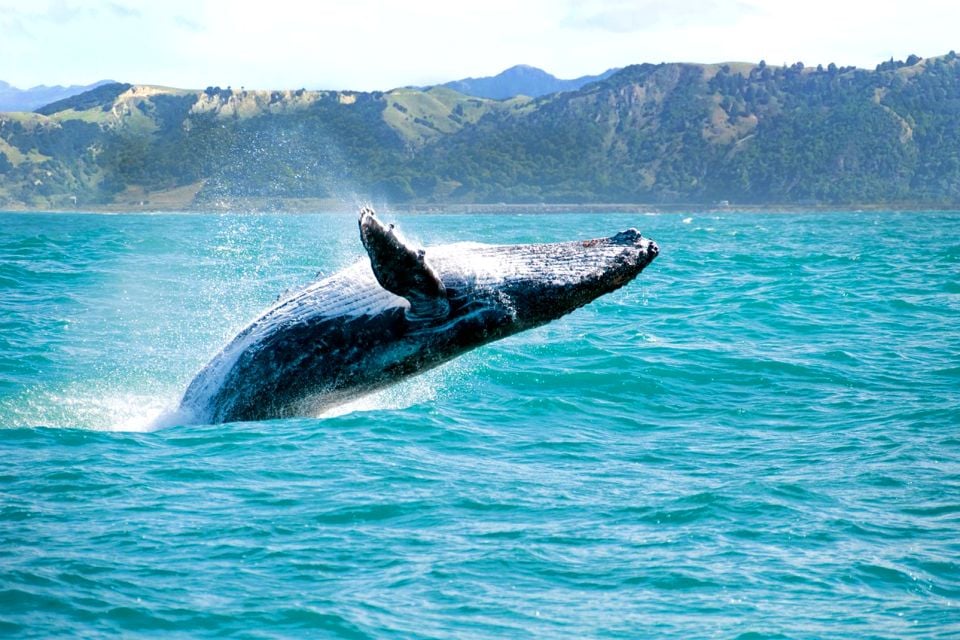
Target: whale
(402, 310)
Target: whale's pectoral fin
(401, 268)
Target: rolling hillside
(667, 133)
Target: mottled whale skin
(402, 311)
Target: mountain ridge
(520, 80)
(698, 134)
(14, 99)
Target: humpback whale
(403, 310)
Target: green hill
(668, 133)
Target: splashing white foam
(399, 396)
(139, 413)
(98, 411)
(107, 409)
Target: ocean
(757, 438)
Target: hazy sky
(364, 44)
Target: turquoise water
(760, 437)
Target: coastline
(318, 205)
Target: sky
(371, 45)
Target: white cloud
(367, 44)
(122, 11)
(63, 12)
(188, 24)
(624, 16)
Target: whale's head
(537, 283)
(564, 276)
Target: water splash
(89, 407)
(408, 394)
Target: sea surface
(757, 438)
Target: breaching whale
(400, 312)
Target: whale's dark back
(308, 344)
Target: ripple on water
(755, 440)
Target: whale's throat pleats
(402, 269)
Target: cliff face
(650, 133)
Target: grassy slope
(421, 117)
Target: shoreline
(311, 205)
